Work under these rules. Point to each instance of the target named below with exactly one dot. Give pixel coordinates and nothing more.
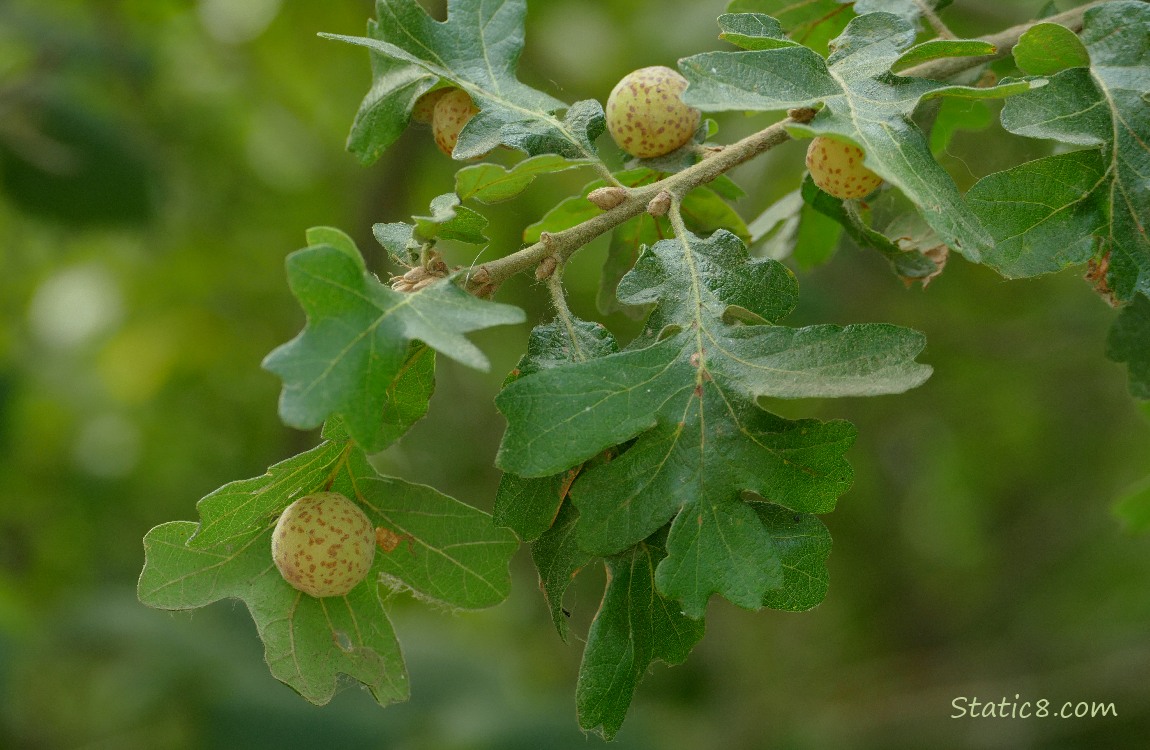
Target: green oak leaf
(357, 337)
(238, 508)
(864, 103)
(935, 49)
(1048, 48)
(492, 183)
(812, 23)
(445, 551)
(1044, 214)
(477, 49)
(753, 31)
(384, 113)
(1129, 342)
(398, 239)
(432, 545)
(714, 275)
(1101, 106)
(908, 264)
(450, 221)
(558, 558)
(308, 642)
(689, 403)
(803, 545)
(529, 505)
(635, 626)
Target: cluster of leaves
(654, 456)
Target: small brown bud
(802, 114)
(479, 276)
(546, 267)
(607, 198)
(546, 238)
(660, 204)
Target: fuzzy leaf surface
(865, 103)
(308, 642)
(812, 23)
(436, 547)
(529, 505)
(492, 183)
(357, 337)
(1044, 214)
(1103, 106)
(558, 558)
(689, 402)
(635, 626)
(477, 49)
(384, 113)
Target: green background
(159, 159)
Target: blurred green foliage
(159, 158)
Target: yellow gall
(451, 113)
(425, 106)
(323, 544)
(646, 115)
(837, 168)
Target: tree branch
(562, 245)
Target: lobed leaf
(308, 642)
(238, 508)
(1101, 106)
(864, 103)
(688, 403)
(803, 544)
(357, 336)
(529, 505)
(635, 626)
(812, 23)
(384, 113)
(430, 544)
(477, 49)
(558, 558)
(446, 551)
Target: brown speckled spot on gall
(452, 111)
(323, 544)
(424, 107)
(645, 114)
(837, 168)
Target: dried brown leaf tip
(1096, 271)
